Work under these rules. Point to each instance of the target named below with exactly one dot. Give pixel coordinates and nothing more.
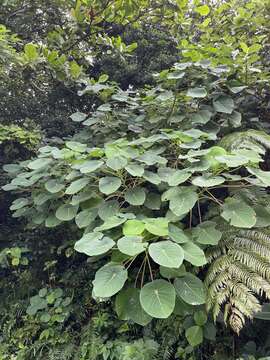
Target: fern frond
(239, 275)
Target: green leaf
(109, 184)
(19, 203)
(152, 177)
(131, 245)
(52, 221)
(135, 170)
(206, 233)
(207, 180)
(152, 201)
(203, 10)
(158, 299)
(177, 234)
(128, 307)
(108, 209)
(224, 104)
(31, 51)
(190, 289)
(201, 117)
(39, 163)
(200, 317)
(54, 186)
(171, 273)
(78, 117)
(109, 280)
(93, 244)
(178, 177)
(77, 186)
(198, 92)
(238, 213)
(183, 202)
(157, 226)
(194, 254)
(133, 227)
(263, 176)
(89, 166)
(76, 146)
(194, 335)
(111, 222)
(262, 216)
(116, 163)
(166, 253)
(135, 196)
(66, 212)
(85, 217)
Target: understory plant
(147, 183)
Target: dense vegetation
(135, 175)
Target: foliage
(140, 211)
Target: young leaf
(133, 227)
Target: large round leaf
(116, 162)
(177, 234)
(238, 213)
(109, 280)
(206, 233)
(190, 289)
(194, 254)
(76, 186)
(93, 244)
(224, 104)
(66, 212)
(135, 196)
(208, 180)
(131, 245)
(90, 166)
(85, 217)
(108, 209)
(128, 307)
(133, 227)
(158, 298)
(178, 177)
(167, 253)
(109, 184)
(39, 163)
(54, 186)
(183, 202)
(157, 226)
